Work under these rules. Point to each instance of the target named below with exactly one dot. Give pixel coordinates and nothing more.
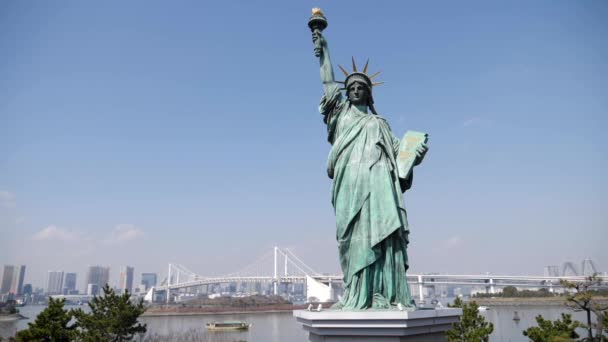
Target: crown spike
(374, 75)
(343, 71)
(377, 84)
(366, 65)
(354, 65)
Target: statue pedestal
(378, 325)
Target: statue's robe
(371, 222)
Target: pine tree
(563, 330)
(112, 318)
(586, 299)
(472, 326)
(52, 324)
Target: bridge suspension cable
(305, 269)
(254, 268)
(263, 266)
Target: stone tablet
(407, 152)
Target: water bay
(281, 326)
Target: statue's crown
(359, 76)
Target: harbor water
(281, 326)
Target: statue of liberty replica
(371, 169)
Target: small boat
(483, 308)
(516, 316)
(221, 326)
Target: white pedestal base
(376, 325)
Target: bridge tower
(276, 278)
(568, 265)
(551, 271)
(588, 268)
(169, 284)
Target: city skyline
(167, 134)
(238, 284)
(12, 279)
(583, 267)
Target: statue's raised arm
(317, 24)
(327, 71)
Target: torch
(317, 24)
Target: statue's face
(358, 94)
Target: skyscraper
(148, 280)
(126, 278)
(12, 279)
(99, 276)
(69, 283)
(92, 289)
(7, 278)
(18, 280)
(54, 282)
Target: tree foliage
(563, 330)
(472, 326)
(509, 291)
(9, 307)
(52, 324)
(605, 323)
(584, 298)
(113, 318)
(513, 292)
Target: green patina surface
(370, 169)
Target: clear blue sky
(144, 132)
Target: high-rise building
(12, 279)
(69, 283)
(54, 282)
(18, 280)
(126, 279)
(148, 280)
(7, 278)
(99, 276)
(92, 289)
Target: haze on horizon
(145, 133)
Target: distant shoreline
(11, 317)
(207, 313)
(520, 301)
(193, 311)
